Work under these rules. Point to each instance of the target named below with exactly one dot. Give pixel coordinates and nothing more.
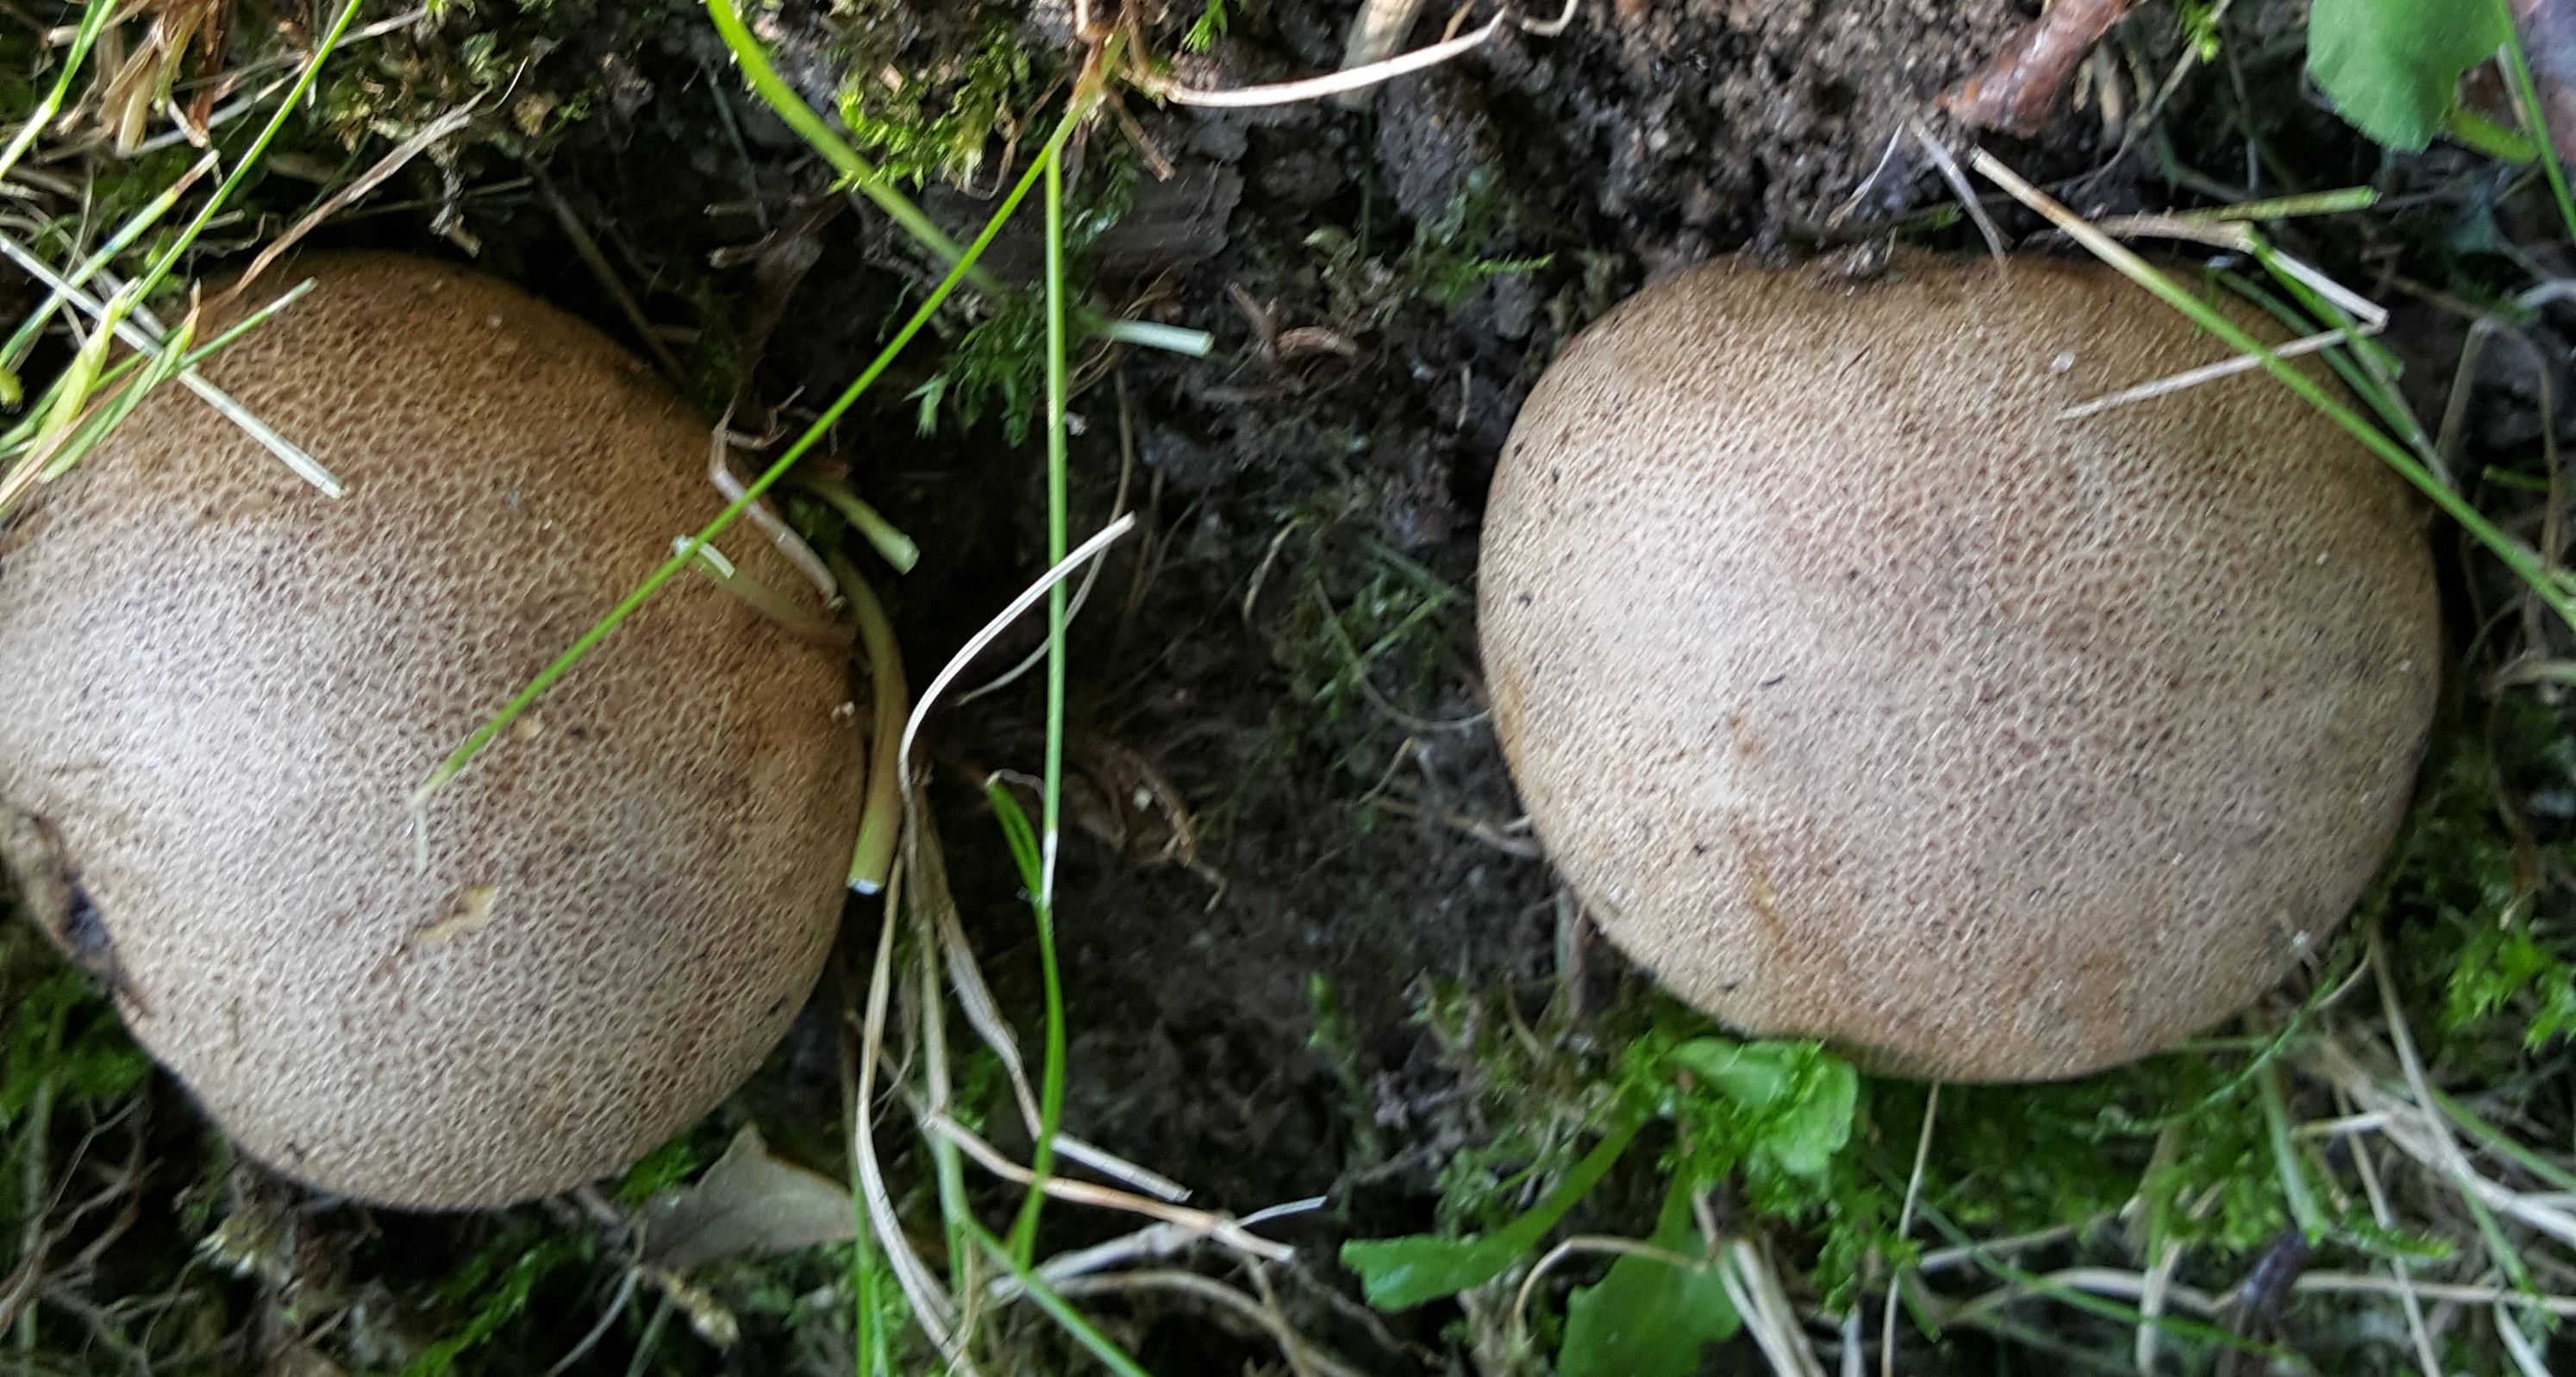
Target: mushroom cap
(225, 687)
(1862, 695)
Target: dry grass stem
(1215, 1227)
(1752, 1282)
(134, 333)
(1905, 1225)
(931, 1307)
(1029, 597)
(1958, 183)
(375, 176)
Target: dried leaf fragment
(749, 1201)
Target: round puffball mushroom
(1863, 694)
(225, 687)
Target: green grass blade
(881, 820)
(14, 353)
(1050, 804)
(1082, 1331)
(94, 17)
(871, 181)
(2521, 559)
(2527, 98)
(20, 437)
(891, 544)
(846, 160)
(527, 697)
(286, 108)
(2286, 1160)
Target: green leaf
(2393, 67)
(1647, 1317)
(1017, 832)
(1797, 1100)
(2503, 962)
(1400, 1273)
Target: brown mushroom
(1863, 695)
(225, 687)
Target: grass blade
(527, 697)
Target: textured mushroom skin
(1862, 697)
(225, 687)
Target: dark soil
(1319, 475)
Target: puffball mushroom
(1862, 694)
(225, 688)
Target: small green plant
(1448, 259)
(493, 1289)
(997, 367)
(65, 1048)
(1770, 1123)
(1210, 26)
(2393, 67)
(925, 124)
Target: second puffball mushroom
(225, 688)
(1864, 695)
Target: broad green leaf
(1754, 1074)
(2393, 67)
(1804, 1139)
(1400, 1273)
(1648, 1318)
(1797, 1099)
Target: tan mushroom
(224, 688)
(1861, 695)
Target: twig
(2018, 90)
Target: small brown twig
(2019, 89)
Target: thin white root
(1303, 1358)
(1152, 1241)
(1325, 87)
